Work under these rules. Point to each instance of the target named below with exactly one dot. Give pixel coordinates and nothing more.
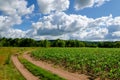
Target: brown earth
(27, 75)
(60, 72)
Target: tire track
(60, 72)
(27, 75)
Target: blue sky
(92, 20)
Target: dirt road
(65, 74)
(27, 75)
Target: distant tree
(28, 42)
(45, 43)
(117, 44)
(79, 44)
(59, 43)
(3, 42)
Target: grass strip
(37, 71)
(7, 70)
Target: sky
(85, 20)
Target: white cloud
(12, 12)
(13, 33)
(58, 24)
(5, 27)
(100, 2)
(116, 34)
(4, 20)
(81, 4)
(61, 25)
(13, 7)
(46, 6)
(104, 28)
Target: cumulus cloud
(13, 7)
(46, 6)
(13, 33)
(12, 12)
(4, 20)
(61, 25)
(81, 4)
(57, 24)
(116, 34)
(100, 2)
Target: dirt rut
(60, 72)
(27, 75)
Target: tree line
(28, 42)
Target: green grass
(7, 69)
(37, 71)
(96, 62)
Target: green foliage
(59, 43)
(45, 43)
(28, 42)
(37, 71)
(97, 62)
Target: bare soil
(27, 75)
(59, 71)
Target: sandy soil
(65, 74)
(27, 75)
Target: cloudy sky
(91, 20)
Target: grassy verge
(7, 70)
(37, 71)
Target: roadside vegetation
(95, 62)
(37, 71)
(7, 70)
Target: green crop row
(37, 71)
(96, 62)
